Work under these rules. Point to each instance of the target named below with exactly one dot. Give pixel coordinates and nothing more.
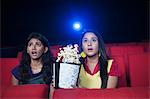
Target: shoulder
(82, 70)
(16, 71)
(113, 69)
(16, 68)
(110, 63)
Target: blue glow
(77, 26)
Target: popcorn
(69, 54)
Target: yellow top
(91, 81)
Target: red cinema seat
(30, 91)
(146, 46)
(122, 81)
(116, 93)
(54, 50)
(19, 56)
(7, 64)
(139, 69)
(124, 51)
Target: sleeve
(114, 70)
(15, 72)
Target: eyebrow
(92, 38)
(35, 42)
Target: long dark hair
(102, 59)
(47, 60)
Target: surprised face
(90, 44)
(35, 49)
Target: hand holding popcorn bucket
(67, 67)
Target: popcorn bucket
(65, 74)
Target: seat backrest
(139, 69)
(19, 56)
(122, 70)
(54, 50)
(123, 50)
(7, 64)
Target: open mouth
(34, 53)
(90, 49)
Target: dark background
(118, 21)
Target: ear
(46, 49)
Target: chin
(35, 58)
(91, 55)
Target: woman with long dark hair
(97, 70)
(36, 64)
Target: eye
(38, 44)
(94, 39)
(85, 40)
(29, 44)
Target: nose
(89, 43)
(34, 47)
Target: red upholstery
(19, 56)
(7, 64)
(145, 45)
(122, 50)
(138, 69)
(121, 65)
(33, 91)
(108, 49)
(55, 50)
(120, 93)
